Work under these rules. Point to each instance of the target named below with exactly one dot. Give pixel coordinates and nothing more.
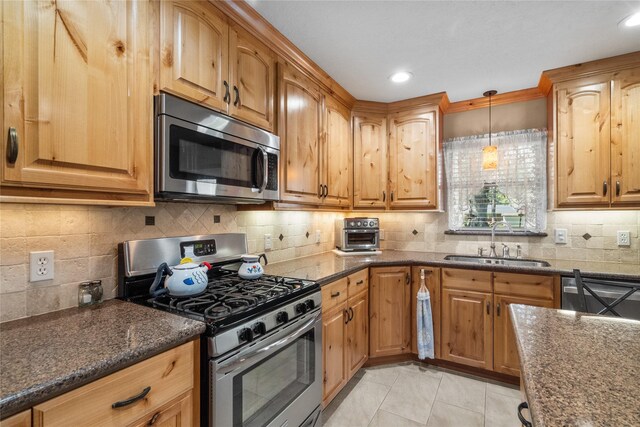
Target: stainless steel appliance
(203, 155)
(262, 352)
(606, 290)
(357, 234)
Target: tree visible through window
(515, 192)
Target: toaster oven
(357, 234)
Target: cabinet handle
(326, 190)
(617, 188)
(384, 196)
(407, 278)
(320, 191)
(12, 146)
(227, 96)
(604, 188)
(359, 282)
(521, 417)
(131, 400)
(488, 307)
(348, 281)
(498, 309)
(153, 419)
(392, 196)
(350, 314)
(237, 92)
(345, 313)
(335, 294)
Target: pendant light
(490, 152)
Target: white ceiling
(462, 47)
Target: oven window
(261, 392)
(361, 238)
(196, 156)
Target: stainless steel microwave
(202, 155)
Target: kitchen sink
(498, 261)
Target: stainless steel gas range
(262, 352)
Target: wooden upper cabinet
(252, 76)
(583, 138)
(299, 127)
(413, 151)
(77, 88)
(467, 328)
(390, 311)
(625, 137)
(194, 52)
(370, 161)
(336, 154)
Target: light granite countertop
(328, 266)
(578, 369)
(44, 356)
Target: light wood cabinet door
(77, 88)
(23, 419)
(467, 328)
(252, 70)
(176, 413)
(357, 349)
(505, 349)
(370, 162)
(336, 154)
(333, 352)
(432, 281)
(583, 142)
(299, 127)
(194, 52)
(625, 138)
(413, 148)
(389, 311)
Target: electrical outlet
(40, 266)
(561, 236)
(268, 244)
(381, 234)
(624, 238)
(318, 236)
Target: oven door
(361, 239)
(274, 382)
(199, 161)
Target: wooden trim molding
(499, 99)
(249, 19)
(384, 108)
(587, 69)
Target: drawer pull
(521, 417)
(153, 419)
(359, 282)
(134, 399)
(335, 294)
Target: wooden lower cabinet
(467, 330)
(167, 379)
(357, 349)
(505, 347)
(23, 419)
(432, 281)
(333, 349)
(389, 311)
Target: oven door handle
(241, 360)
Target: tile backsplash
(85, 241)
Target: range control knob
(359, 223)
(260, 328)
(245, 334)
(282, 317)
(351, 224)
(309, 304)
(301, 308)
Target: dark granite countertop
(578, 369)
(327, 267)
(44, 356)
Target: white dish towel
(424, 317)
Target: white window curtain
(521, 176)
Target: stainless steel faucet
(492, 251)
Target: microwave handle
(265, 160)
(261, 185)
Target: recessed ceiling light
(630, 21)
(400, 77)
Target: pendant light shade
(490, 152)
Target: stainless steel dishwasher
(608, 291)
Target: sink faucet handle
(518, 251)
(505, 251)
(480, 251)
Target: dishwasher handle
(573, 289)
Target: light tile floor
(414, 395)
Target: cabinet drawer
(472, 280)
(168, 375)
(358, 282)
(334, 294)
(525, 285)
